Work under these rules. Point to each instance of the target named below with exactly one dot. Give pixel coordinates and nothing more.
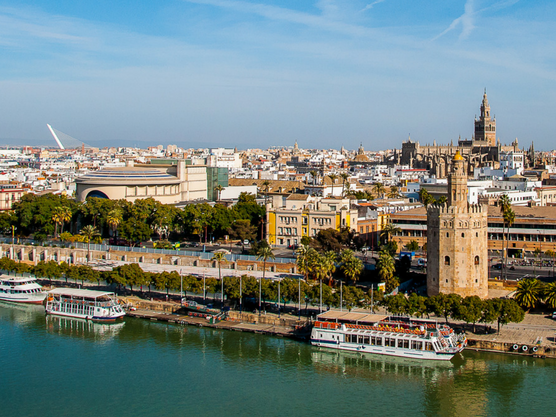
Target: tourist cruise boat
(21, 290)
(85, 304)
(384, 335)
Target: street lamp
(341, 295)
(204, 287)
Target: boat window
(405, 343)
(417, 345)
(366, 340)
(428, 346)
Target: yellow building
(301, 215)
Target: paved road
(199, 271)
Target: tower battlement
(437, 210)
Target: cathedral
(483, 150)
(457, 242)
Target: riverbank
(537, 333)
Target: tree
(509, 218)
(61, 215)
(506, 311)
(351, 265)
(425, 197)
(242, 230)
(442, 200)
(220, 256)
(396, 304)
(89, 233)
(393, 192)
(333, 178)
(528, 292)
(412, 246)
(549, 294)
(386, 268)
(416, 305)
(470, 310)
(445, 305)
(379, 189)
(344, 176)
(265, 253)
(389, 230)
(114, 218)
(218, 190)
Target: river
(51, 366)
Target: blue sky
(239, 73)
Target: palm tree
(504, 204)
(393, 193)
(329, 261)
(218, 190)
(352, 267)
(333, 178)
(528, 293)
(344, 176)
(509, 218)
(314, 176)
(320, 272)
(220, 256)
(550, 294)
(114, 218)
(61, 215)
(379, 189)
(389, 230)
(385, 266)
(263, 253)
(89, 233)
(442, 200)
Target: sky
(324, 73)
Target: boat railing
(387, 328)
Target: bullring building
(167, 181)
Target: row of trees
(52, 215)
(470, 309)
(132, 276)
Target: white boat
(383, 335)
(85, 304)
(21, 290)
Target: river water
(64, 367)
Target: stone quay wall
(34, 254)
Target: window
(446, 260)
(447, 234)
(463, 235)
(476, 260)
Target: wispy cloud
(370, 6)
(465, 20)
(291, 16)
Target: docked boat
(21, 290)
(387, 335)
(85, 304)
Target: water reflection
(84, 329)
(378, 367)
(21, 313)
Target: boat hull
(108, 319)
(24, 300)
(384, 350)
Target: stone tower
(485, 126)
(457, 241)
